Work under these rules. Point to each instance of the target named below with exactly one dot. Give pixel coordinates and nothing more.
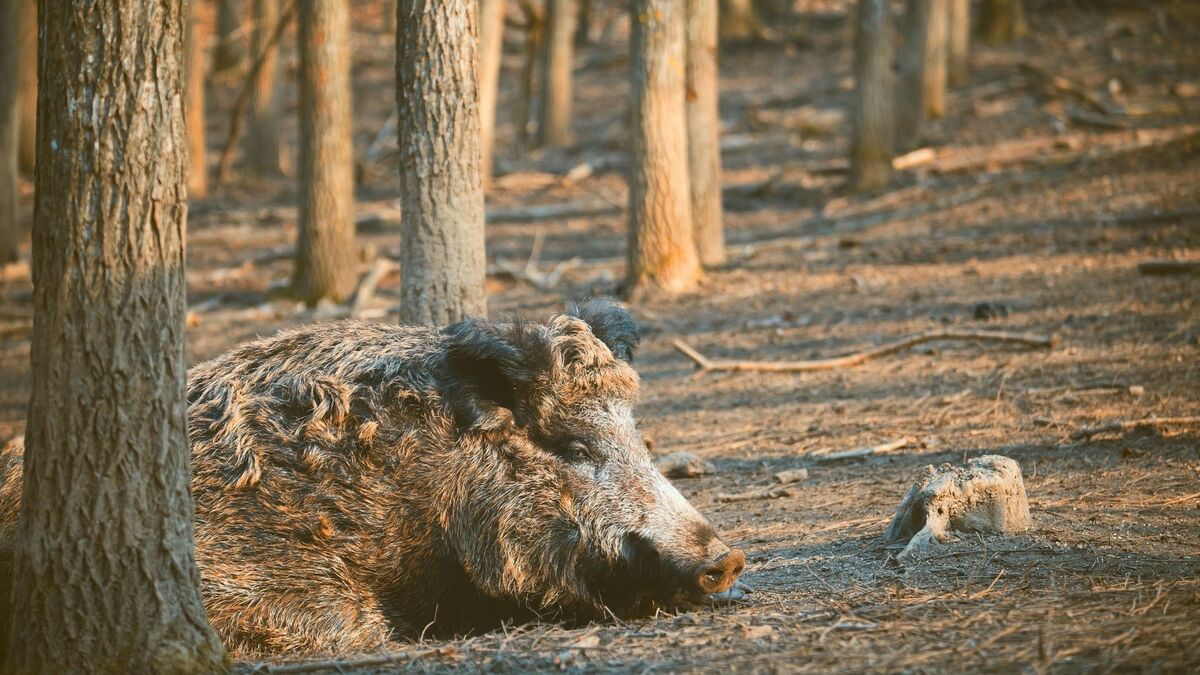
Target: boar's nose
(717, 576)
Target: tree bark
(491, 46)
(921, 89)
(1002, 21)
(325, 256)
(872, 143)
(523, 106)
(740, 20)
(10, 126)
(230, 47)
(442, 259)
(662, 257)
(262, 138)
(195, 39)
(557, 66)
(28, 67)
(704, 131)
(959, 43)
(389, 17)
(104, 544)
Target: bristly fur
(354, 481)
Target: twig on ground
(1126, 425)
(339, 665)
(366, 287)
(530, 272)
(764, 493)
(728, 365)
(859, 453)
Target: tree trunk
(662, 257)
(262, 137)
(557, 66)
(959, 43)
(104, 544)
(389, 17)
(740, 21)
(491, 47)
(1002, 21)
(325, 256)
(27, 64)
(230, 47)
(921, 89)
(704, 131)
(10, 125)
(583, 23)
(872, 144)
(522, 108)
(194, 67)
(442, 259)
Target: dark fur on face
(355, 482)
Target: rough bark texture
(491, 46)
(740, 20)
(662, 249)
(704, 130)
(195, 67)
(262, 137)
(28, 68)
(873, 140)
(557, 66)
(104, 547)
(230, 44)
(958, 46)
(921, 89)
(442, 258)
(10, 122)
(325, 260)
(1002, 21)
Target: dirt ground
(1041, 199)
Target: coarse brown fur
(355, 482)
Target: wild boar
(356, 483)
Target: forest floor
(1039, 201)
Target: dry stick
(1126, 425)
(239, 105)
(366, 288)
(706, 364)
(339, 664)
(863, 452)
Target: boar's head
(557, 504)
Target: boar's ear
(611, 323)
(492, 366)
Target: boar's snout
(717, 576)
(714, 568)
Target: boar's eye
(577, 450)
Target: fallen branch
(530, 273)
(1126, 425)
(706, 364)
(366, 288)
(339, 665)
(859, 453)
(1169, 267)
(765, 493)
(566, 211)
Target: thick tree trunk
(921, 89)
(442, 259)
(959, 42)
(662, 251)
(104, 545)
(704, 131)
(10, 125)
(325, 260)
(557, 66)
(195, 39)
(872, 144)
(230, 44)
(28, 67)
(1002, 21)
(491, 45)
(740, 20)
(262, 137)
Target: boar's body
(354, 483)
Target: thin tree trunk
(230, 47)
(104, 544)
(557, 66)
(325, 256)
(194, 67)
(389, 17)
(872, 144)
(704, 130)
(1002, 21)
(662, 250)
(491, 45)
(740, 20)
(10, 126)
(442, 260)
(921, 89)
(583, 24)
(959, 43)
(262, 137)
(522, 109)
(27, 64)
